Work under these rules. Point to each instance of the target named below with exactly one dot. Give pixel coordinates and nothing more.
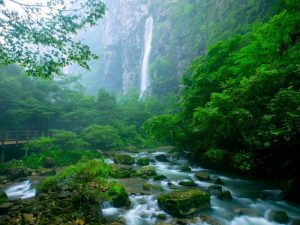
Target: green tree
(102, 137)
(40, 37)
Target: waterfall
(147, 50)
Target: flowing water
(246, 208)
(147, 50)
(21, 190)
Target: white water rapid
(246, 208)
(147, 50)
(21, 190)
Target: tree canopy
(40, 36)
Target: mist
(149, 112)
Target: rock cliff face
(123, 39)
(182, 30)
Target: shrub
(215, 157)
(102, 137)
(243, 161)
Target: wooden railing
(20, 137)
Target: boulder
(184, 203)
(49, 162)
(296, 222)
(3, 197)
(188, 183)
(4, 207)
(161, 158)
(278, 217)
(122, 171)
(291, 191)
(28, 217)
(146, 172)
(214, 190)
(159, 177)
(18, 172)
(186, 168)
(147, 186)
(225, 195)
(123, 159)
(219, 181)
(203, 176)
(143, 161)
(161, 216)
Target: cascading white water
(147, 50)
(21, 190)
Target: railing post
(36, 134)
(17, 137)
(2, 154)
(27, 136)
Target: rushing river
(246, 208)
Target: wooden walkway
(19, 137)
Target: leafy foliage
(39, 37)
(240, 102)
(103, 137)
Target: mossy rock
(186, 169)
(279, 217)
(146, 172)
(119, 198)
(18, 172)
(184, 203)
(215, 189)
(49, 162)
(143, 161)
(159, 177)
(203, 176)
(123, 159)
(291, 191)
(122, 171)
(188, 183)
(161, 216)
(147, 186)
(161, 158)
(3, 197)
(225, 196)
(218, 181)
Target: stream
(246, 208)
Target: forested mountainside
(182, 30)
(240, 101)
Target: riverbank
(147, 176)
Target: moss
(123, 159)
(279, 217)
(189, 183)
(186, 168)
(146, 172)
(184, 203)
(143, 161)
(122, 171)
(159, 177)
(89, 180)
(3, 197)
(147, 186)
(204, 176)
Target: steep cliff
(123, 42)
(183, 29)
